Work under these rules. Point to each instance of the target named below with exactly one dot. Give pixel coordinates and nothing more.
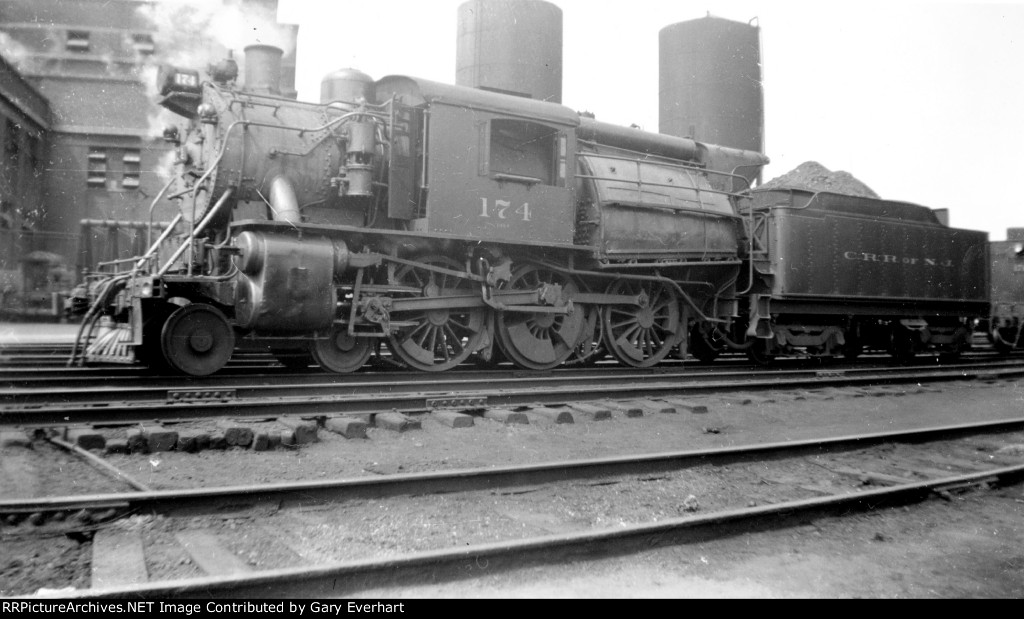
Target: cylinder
(710, 83)
(263, 69)
(348, 85)
(510, 46)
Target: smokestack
(263, 69)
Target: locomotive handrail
(516, 178)
(197, 229)
(641, 156)
(670, 207)
(152, 207)
(154, 248)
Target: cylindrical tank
(710, 83)
(348, 85)
(263, 69)
(510, 46)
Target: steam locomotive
(451, 223)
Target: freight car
(441, 220)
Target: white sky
(922, 101)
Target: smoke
(165, 169)
(194, 34)
(17, 54)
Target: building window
(97, 167)
(132, 161)
(143, 44)
(78, 41)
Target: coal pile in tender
(812, 176)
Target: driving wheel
(539, 340)
(641, 336)
(440, 338)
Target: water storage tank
(710, 82)
(510, 46)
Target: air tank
(510, 46)
(710, 83)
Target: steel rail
(348, 578)
(200, 500)
(353, 399)
(156, 388)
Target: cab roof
(416, 91)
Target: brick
(218, 441)
(117, 446)
(137, 442)
(287, 438)
(15, 439)
(273, 439)
(396, 422)
(159, 438)
(346, 426)
(202, 441)
(592, 412)
(453, 419)
(260, 440)
(506, 417)
(235, 434)
(305, 431)
(188, 442)
(550, 415)
(86, 438)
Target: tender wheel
(197, 339)
(441, 338)
(539, 341)
(852, 349)
(294, 358)
(642, 336)
(1002, 345)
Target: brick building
(84, 73)
(25, 123)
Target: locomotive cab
(494, 167)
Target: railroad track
(504, 518)
(414, 393)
